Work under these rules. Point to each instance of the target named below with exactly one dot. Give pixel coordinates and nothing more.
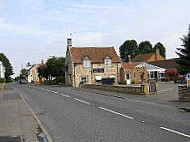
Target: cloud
(30, 31)
(90, 6)
(89, 39)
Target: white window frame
(107, 62)
(86, 63)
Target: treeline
(54, 69)
(131, 47)
(8, 67)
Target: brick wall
(184, 93)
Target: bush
(2, 80)
(164, 79)
(60, 80)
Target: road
(80, 115)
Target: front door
(128, 78)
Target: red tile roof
(146, 57)
(129, 65)
(95, 54)
(167, 64)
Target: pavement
(83, 115)
(17, 124)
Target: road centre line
(108, 110)
(54, 92)
(176, 132)
(64, 95)
(82, 101)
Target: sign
(188, 80)
(98, 70)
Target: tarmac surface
(83, 115)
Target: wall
(138, 90)
(33, 75)
(133, 70)
(80, 71)
(184, 93)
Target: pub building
(91, 65)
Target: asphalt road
(74, 115)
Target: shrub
(2, 80)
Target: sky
(34, 30)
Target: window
(83, 79)
(112, 76)
(135, 75)
(86, 63)
(107, 62)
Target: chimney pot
(69, 42)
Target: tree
(8, 67)
(161, 48)
(145, 47)
(24, 73)
(184, 54)
(56, 66)
(129, 47)
(43, 72)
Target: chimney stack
(129, 58)
(69, 43)
(157, 54)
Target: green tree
(145, 47)
(129, 47)
(161, 48)
(24, 73)
(8, 67)
(43, 72)
(56, 66)
(184, 54)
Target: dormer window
(86, 62)
(107, 62)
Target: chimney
(69, 43)
(129, 58)
(157, 54)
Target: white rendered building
(2, 70)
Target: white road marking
(54, 92)
(82, 101)
(176, 132)
(64, 95)
(108, 110)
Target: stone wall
(184, 93)
(80, 71)
(138, 90)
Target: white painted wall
(2, 70)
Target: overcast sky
(32, 30)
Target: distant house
(149, 57)
(132, 74)
(33, 74)
(171, 66)
(91, 65)
(2, 70)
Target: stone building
(91, 64)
